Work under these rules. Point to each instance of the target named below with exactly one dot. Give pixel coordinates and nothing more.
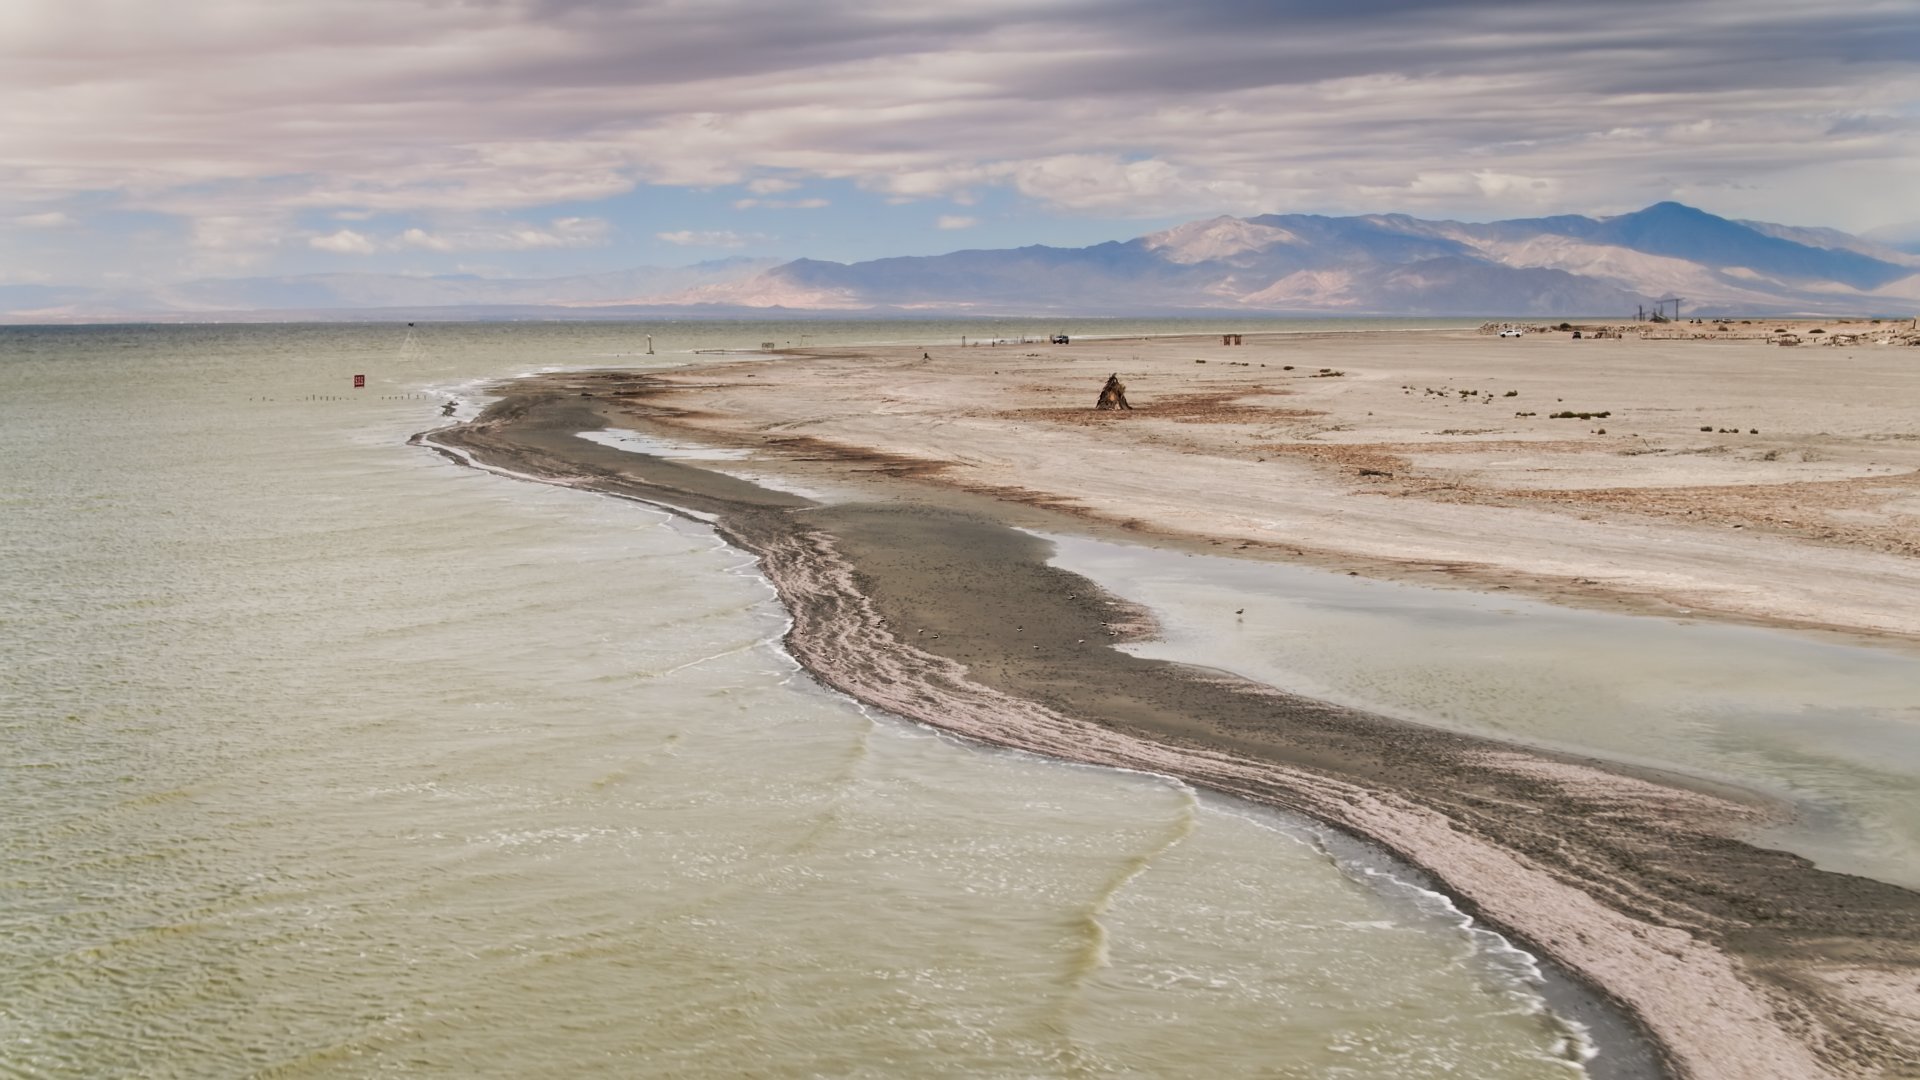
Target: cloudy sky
(144, 141)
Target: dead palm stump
(1113, 395)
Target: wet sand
(1738, 961)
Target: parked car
(1512, 331)
(1060, 339)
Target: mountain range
(1274, 264)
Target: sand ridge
(1740, 961)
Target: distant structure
(1660, 311)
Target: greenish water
(321, 756)
(1831, 727)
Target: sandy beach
(1726, 476)
(1718, 475)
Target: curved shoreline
(1732, 957)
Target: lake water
(1830, 726)
(322, 756)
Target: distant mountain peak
(1215, 238)
(1374, 264)
(1669, 208)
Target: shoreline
(1621, 1047)
(1643, 892)
(1806, 517)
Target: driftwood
(1113, 395)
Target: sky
(146, 142)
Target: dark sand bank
(1739, 961)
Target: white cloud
(344, 242)
(771, 185)
(51, 219)
(1508, 188)
(228, 243)
(421, 238)
(781, 204)
(955, 221)
(720, 238)
(1150, 186)
(566, 232)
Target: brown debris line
(813, 448)
(1743, 962)
(1375, 457)
(1081, 415)
(1223, 407)
(1059, 504)
(1804, 508)
(1394, 460)
(635, 394)
(1404, 452)
(1522, 446)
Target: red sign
(359, 382)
